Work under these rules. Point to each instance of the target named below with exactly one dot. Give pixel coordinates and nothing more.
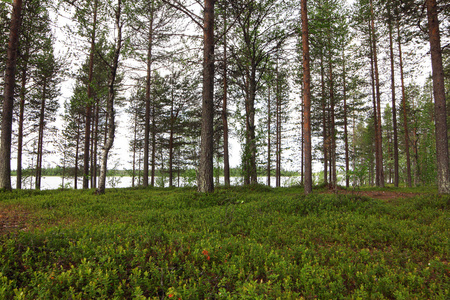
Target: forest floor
(380, 195)
(250, 242)
(13, 218)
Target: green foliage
(238, 243)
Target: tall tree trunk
(148, 99)
(95, 152)
(394, 109)
(379, 165)
(226, 156)
(278, 128)
(302, 141)
(153, 164)
(324, 123)
(440, 109)
(87, 133)
(375, 112)
(269, 120)
(332, 129)
(206, 174)
(8, 100)
(347, 163)
(40, 147)
(405, 119)
(354, 146)
(92, 142)
(306, 98)
(110, 130)
(253, 174)
(133, 174)
(77, 147)
(171, 129)
(21, 120)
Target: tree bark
(333, 172)
(379, 165)
(21, 120)
(440, 110)
(394, 109)
(171, 130)
(374, 102)
(148, 100)
(205, 171)
(405, 119)
(87, 133)
(40, 147)
(306, 98)
(278, 128)
(95, 152)
(347, 162)
(324, 123)
(269, 120)
(110, 129)
(226, 157)
(8, 101)
(77, 147)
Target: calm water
(55, 182)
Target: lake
(56, 182)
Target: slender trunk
(153, 164)
(133, 174)
(246, 158)
(347, 163)
(40, 147)
(77, 147)
(375, 112)
(306, 98)
(302, 141)
(394, 109)
(415, 151)
(442, 153)
(148, 99)
(250, 176)
(8, 100)
(379, 166)
(95, 152)
(332, 130)
(354, 145)
(253, 174)
(171, 129)
(269, 120)
(21, 120)
(405, 119)
(330, 145)
(110, 103)
(278, 133)
(92, 153)
(206, 169)
(226, 158)
(324, 123)
(87, 133)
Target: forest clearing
(251, 242)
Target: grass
(238, 243)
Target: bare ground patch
(381, 195)
(14, 218)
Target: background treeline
(138, 65)
(59, 171)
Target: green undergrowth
(238, 243)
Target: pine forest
(224, 149)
